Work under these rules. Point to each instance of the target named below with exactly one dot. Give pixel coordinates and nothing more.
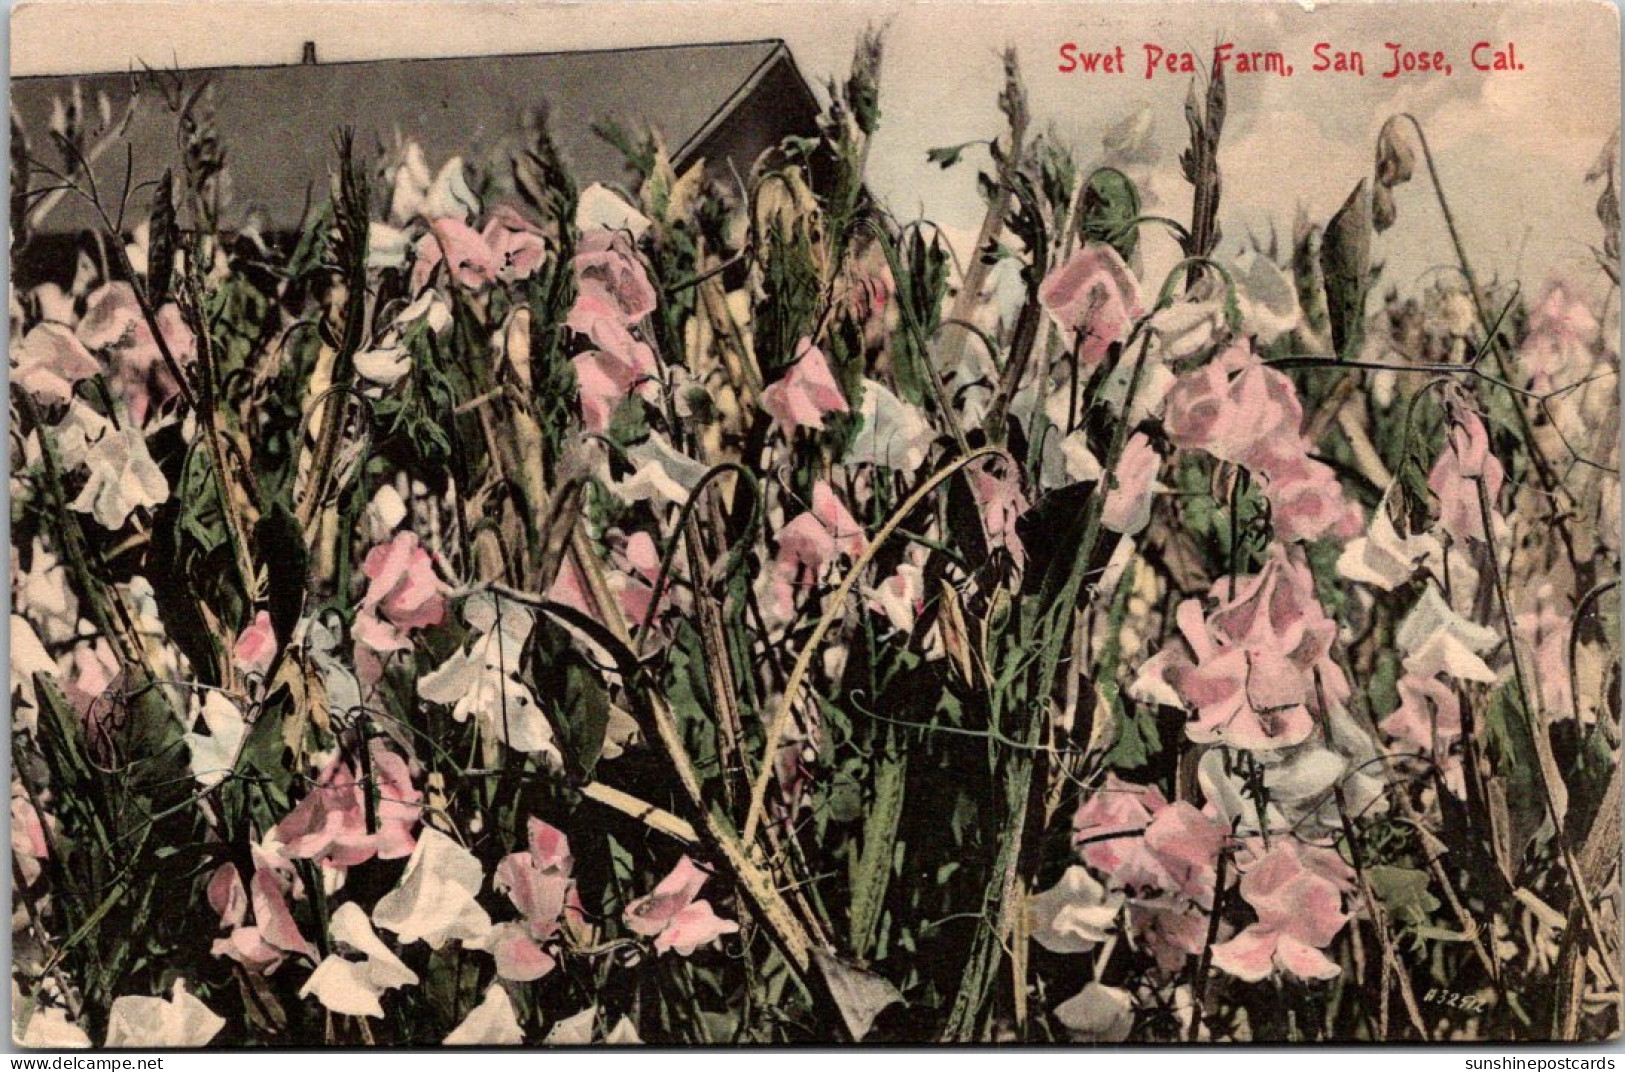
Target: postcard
(737, 523)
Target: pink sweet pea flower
(1429, 713)
(1428, 719)
(113, 322)
(403, 593)
(1307, 502)
(1094, 297)
(611, 283)
(1562, 329)
(1109, 824)
(28, 842)
(1128, 503)
(810, 542)
(1001, 503)
(256, 646)
(516, 244)
(617, 365)
(674, 917)
(1255, 668)
(49, 361)
(1163, 857)
(1298, 895)
(262, 946)
(1544, 630)
(330, 824)
(805, 394)
(1465, 460)
(538, 883)
(473, 264)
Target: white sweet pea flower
(123, 476)
(178, 1022)
(1074, 915)
(384, 365)
(1268, 297)
(1191, 325)
(416, 195)
(577, 1030)
(600, 207)
(482, 681)
(435, 901)
(492, 1023)
(353, 987)
(28, 657)
(214, 754)
(50, 1029)
(894, 435)
(1437, 640)
(387, 246)
(661, 473)
(1098, 1013)
(1382, 557)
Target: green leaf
(1108, 211)
(946, 156)
(1404, 893)
(1345, 260)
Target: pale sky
(1513, 148)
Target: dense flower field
(520, 612)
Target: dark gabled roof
(724, 103)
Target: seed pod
(161, 239)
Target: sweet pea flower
(516, 244)
(491, 1023)
(538, 883)
(1107, 824)
(617, 365)
(1382, 557)
(601, 209)
(435, 901)
(1074, 915)
(1428, 719)
(330, 826)
(1544, 630)
(49, 1029)
(256, 646)
(482, 680)
(1251, 669)
(403, 593)
(418, 194)
(1094, 297)
(1098, 1013)
(113, 323)
(1562, 329)
(810, 542)
(611, 283)
(1299, 901)
(1436, 640)
(214, 754)
(49, 362)
(353, 987)
(996, 489)
(674, 916)
(1454, 480)
(805, 394)
(29, 846)
(1128, 502)
(894, 434)
(472, 263)
(123, 477)
(150, 1023)
(262, 946)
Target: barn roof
(723, 103)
